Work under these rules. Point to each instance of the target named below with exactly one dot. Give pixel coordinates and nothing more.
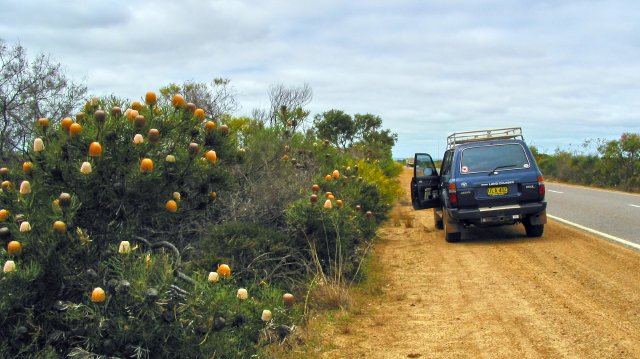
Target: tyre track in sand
(497, 294)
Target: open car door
(425, 183)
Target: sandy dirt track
(497, 294)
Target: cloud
(49, 17)
(565, 71)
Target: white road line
(634, 205)
(607, 236)
(550, 190)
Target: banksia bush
(92, 251)
(337, 230)
(154, 228)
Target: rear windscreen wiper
(499, 167)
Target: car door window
(424, 166)
(446, 164)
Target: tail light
(541, 188)
(453, 194)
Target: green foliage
(378, 142)
(274, 166)
(243, 331)
(335, 126)
(152, 308)
(148, 314)
(287, 106)
(330, 237)
(335, 236)
(119, 200)
(247, 207)
(255, 251)
(291, 117)
(383, 179)
(616, 166)
(621, 158)
(217, 98)
(364, 130)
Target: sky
(564, 71)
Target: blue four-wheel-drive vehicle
(487, 178)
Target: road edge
(598, 233)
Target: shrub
(386, 181)
(333, 235)
(274, 166)
(257, 253)
(116, 216)
(106, 204)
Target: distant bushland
(615, 164)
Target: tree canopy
(30, 90)
(345, 131)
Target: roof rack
(457, 138)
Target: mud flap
(538, 218)
(451, 226)
(452, 232)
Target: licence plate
(497, 191)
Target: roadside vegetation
(165, 227)
(614, 164)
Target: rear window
(488, 158)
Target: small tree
(30, 90)
(622, 160)
(363, 131)
(335, 126)
(287, 105)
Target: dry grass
(330, 296)
(307, 342)
(373, 269)
(379, 320)
(343, 322)
(399, 296)
(400, 216)
(332, 308)
(396, 217)
(408, 221)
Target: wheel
(450, 237)
(533, 230)
(437, 220)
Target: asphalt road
(613, 213)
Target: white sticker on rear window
(465, 169)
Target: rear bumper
(498, 214)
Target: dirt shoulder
(497, 294)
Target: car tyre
(534, 230)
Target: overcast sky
(565, 71)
